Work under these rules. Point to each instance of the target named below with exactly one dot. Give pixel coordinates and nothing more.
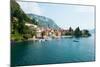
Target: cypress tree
(77, 32)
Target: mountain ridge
(43, 21)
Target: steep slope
(16, 11)
(19, 31)
(44, 21)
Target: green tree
(86, 33)
(77, 32)
(70, 29)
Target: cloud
(30, 7)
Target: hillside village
(44, 33)
(25, 28)
(47, 33)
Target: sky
(63, 15)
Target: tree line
(77, 32)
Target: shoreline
(44, 39)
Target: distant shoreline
(43, 39)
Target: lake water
(64, 50)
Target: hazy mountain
(44, 21)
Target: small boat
(47, 39)
(75, 41)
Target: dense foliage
(19, 31)
(77, 32)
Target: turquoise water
(64, 50)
